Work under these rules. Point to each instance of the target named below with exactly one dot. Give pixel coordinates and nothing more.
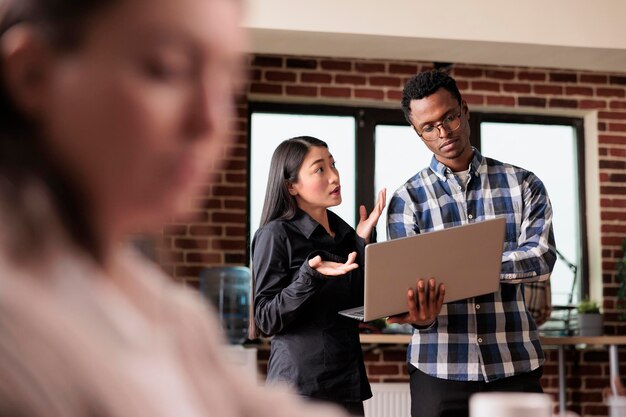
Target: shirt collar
(440, 169)
(307, 225)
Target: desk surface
(549, 341)
(588, 340)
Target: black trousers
(435, 397)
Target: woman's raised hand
(333, 268)
(368, 223)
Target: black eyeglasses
(450, 123)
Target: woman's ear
(291, 188)
(25, 63)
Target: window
(365, 143)
(268, 130)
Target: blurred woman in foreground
(113, 112)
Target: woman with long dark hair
(111, 114)
(306, 269)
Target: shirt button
(477, 306)
(469, 216)
(480, 340)
(459, 187)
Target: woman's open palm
(368, 223)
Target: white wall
(576, 34)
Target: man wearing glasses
(485, 343)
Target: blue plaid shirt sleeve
(535, 252)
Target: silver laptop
(467, 259)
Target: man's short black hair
(423, 85)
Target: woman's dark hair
(25, 163)
(286, 162)
(423, 85)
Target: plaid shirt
(491, 336)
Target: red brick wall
(218, 238)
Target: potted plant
(621, 278)
(589, 319)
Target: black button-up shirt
(314, 349)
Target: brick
(234, 231)
(280, 76)
(462, 85)
(369, 67)
(474, 99)
(612, 115)
(203, 257)
(578, 91)
(230, 190)
(563, 77)
(267, 61)
(500, 75)
(593, 79)
(612, 202)
(547, 89)
(301, 63)
(261, 88)
(383, 370)
(612, 164)
(335, 92)
(500, 101)
(617, 127)
(204, 230)
(188, 243)
(316, 78)
(235, 258)
(350, 79)
(531, 101)
(610, 92)
(531, 76)
(371, 356)
(235, 204)
(334, 65)
(369, 94)
(516, 88)
(188, 270)
(380, 81)
(617, 104)
(235, 177)
(615, 79)
(612, 139)
(222, 217)
(592, 104)
(613, 228)
(228, 244)
(295, 90)
(467, 72)
(395, 356)
(395, 95)
(619, 153)
(485, 86)
(558, 102)
(409, 69)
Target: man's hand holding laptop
(423, 308)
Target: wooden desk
(561, 342)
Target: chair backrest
(538, 297)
